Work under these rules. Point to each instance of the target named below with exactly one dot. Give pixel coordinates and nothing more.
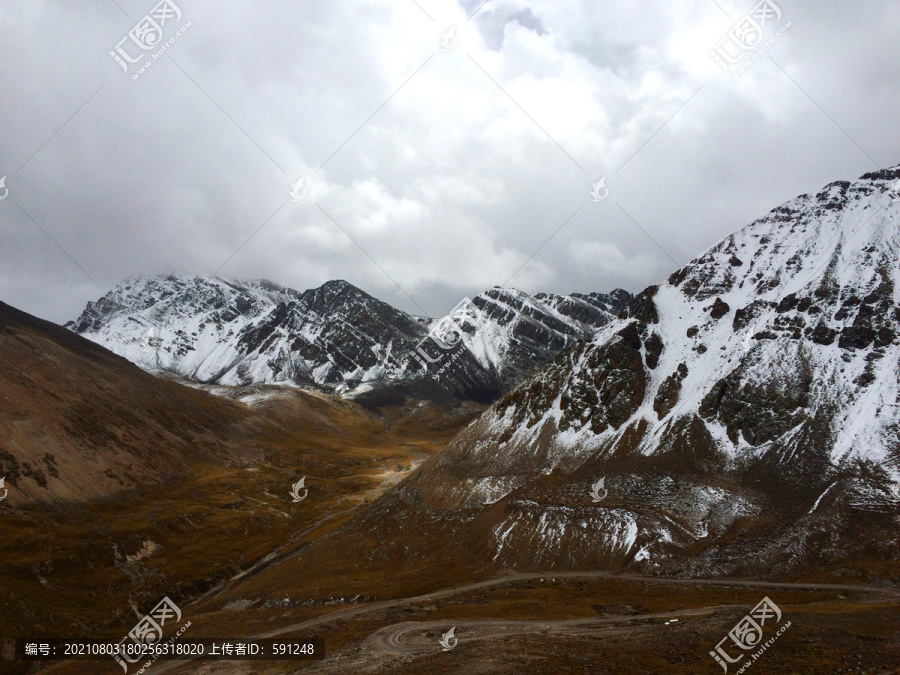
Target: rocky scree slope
(744, 415)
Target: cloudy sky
(443, 147)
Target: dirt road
(393, 639)
(414, 637)
(345, 614)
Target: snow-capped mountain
(743, 416)
(512, 331)
(251, 332)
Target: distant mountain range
(337, 336)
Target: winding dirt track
(390, 639)
(499, 581)
(416, 637)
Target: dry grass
(85, 568)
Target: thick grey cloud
(482, 152)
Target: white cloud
(450, 186)
(594, 257)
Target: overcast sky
(438, 168)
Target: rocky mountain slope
(743, 417)
(78, 422)
(337, 336)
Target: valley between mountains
(599, 482)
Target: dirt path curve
(352, 612)
(416, 637)
(511, 578)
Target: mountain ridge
(751, 402)
(336, 336)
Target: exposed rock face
(607, 389)
(336, 336)
(742, 414)
(669, 391)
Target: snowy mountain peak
(809, 291)
(241, 332)
(745, 414)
